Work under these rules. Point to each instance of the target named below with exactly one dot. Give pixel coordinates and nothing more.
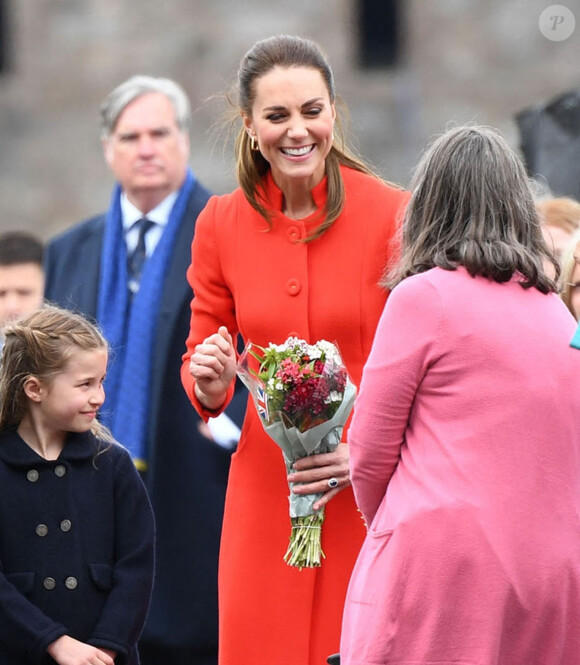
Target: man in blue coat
(126, 268)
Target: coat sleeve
(126, 608)
(212, 305)
(24, 628)
(402, 350)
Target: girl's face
(575, 291)
(69, 401)
(292, 120)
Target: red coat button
(293, 233)
(293, 287)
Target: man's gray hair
(135, 87)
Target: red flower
(289, 371)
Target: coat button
(60, 470)
(293, 233)
(41, 530)
(293, 287)
(32, 475)
(49, 583)
(65, 525)
(71, 583)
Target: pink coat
(465, 451)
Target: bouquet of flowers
(303, 395)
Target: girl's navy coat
(76, 549)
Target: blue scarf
(130, 328)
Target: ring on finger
(332, 483)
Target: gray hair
(137, 86)
(472, 206)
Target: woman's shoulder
(435, 288)
(373, 193)
(223, 209)
(224, 201)
(427, 282)
(438, 278)
(456, 285)
(371, 182)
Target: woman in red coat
(298, 250)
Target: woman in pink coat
(465, 442)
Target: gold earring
(253, 144)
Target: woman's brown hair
(288, 51)
(472, 206)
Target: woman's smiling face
(293, 120)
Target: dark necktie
(136, 258)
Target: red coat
(267, 286)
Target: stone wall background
(463, 60)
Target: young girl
(76, 527)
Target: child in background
(76, 527)
(570, 275)
(21, 275)
(559, 219)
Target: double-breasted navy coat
(76, 549)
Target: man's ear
(107, 150)
(33, 389)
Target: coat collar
(273, 197)
(15, 452)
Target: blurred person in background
(126, 268)
(570, 275)
(21, 275)
(559, 217)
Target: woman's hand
(68, 651)
(314, 472)
(213, 366)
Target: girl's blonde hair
(40, 345)
(562, 212)
(570, 257)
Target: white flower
(301, 345)
(334, 396)
(332, 353)
(315, 352)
